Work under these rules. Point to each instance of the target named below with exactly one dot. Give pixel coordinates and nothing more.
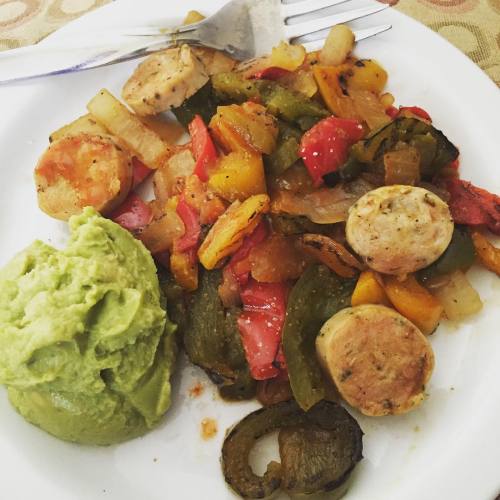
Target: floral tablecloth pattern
(472, 25)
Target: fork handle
(77, 54)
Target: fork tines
(312, 26)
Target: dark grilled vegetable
(201, 103)
(320, 454)
(349, 171)
(318, 449)
(176, 300)
(273, 390)
(212, 340)
(298, 224)
(435, 150)
(331, 253)
(459, 255)
(316, 296)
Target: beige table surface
(472, 25)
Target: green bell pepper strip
(317, 295)
(281, 102)
(460, 254)
(212, 340)
(283, 157)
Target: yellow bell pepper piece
(367, 74)
(327, 78)
(184, 271)
(247, 126)
(487, 253)
(238, 176)
(368, 291)
(227, 234)
(414, 302)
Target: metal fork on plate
(242, 28)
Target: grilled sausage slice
(399, 229)
(379, 361)
(164, 80)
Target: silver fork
(255, 26)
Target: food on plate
(338, 45)
(168, 179)
(129, 129)
(414, 302)
(212, 340)
(318, 449)
(309, 237)
(86, 348)
(487, 253)
(460, 254)
(369, 290)
(272, 391)
(82, 170)
(379, 361)
(399, 229)
(85, 124)
(473, 206)
(247, 127)
(164, 80)
(457, 296)
(331, 253)
(213, 60)
(316, 296)
(226, 235)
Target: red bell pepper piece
(261, 324)
(192, 228)
(139, 171)
(392, 111)
(473, 206)
(417, 111)
(239, 264)
(133, 213)
(324, 148)
(271, 73)
(203, 148)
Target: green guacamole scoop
(86, 348)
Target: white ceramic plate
(448, 448)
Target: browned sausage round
(399, 229)
(379, 361)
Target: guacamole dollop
(86, 348)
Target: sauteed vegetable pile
(309, 236)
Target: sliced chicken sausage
(399, 229)
(164, 80)
(379, 361)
